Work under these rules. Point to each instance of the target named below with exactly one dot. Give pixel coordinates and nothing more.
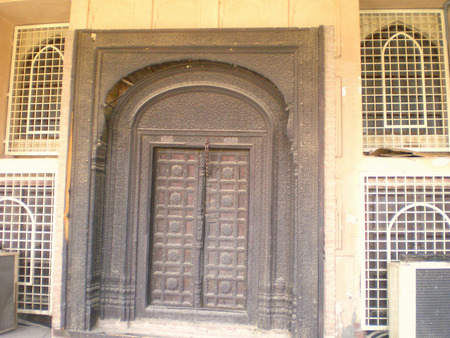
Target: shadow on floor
(27, 329)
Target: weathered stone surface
(238, 89)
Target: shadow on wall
(354, 330)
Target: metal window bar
(410, 110)
(26, 226)
(404, 76)
(35, 90)
(403, 214)
(419, 239)
(45, 91)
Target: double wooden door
(199, 228)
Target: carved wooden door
(199, 228)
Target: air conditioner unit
(8, 291)
(419, 299)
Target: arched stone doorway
(202, 184)
(192, 209)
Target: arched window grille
(44, 95)
(403, 68)
(36, 84)
(403, 215)
(403, 80)
(26, 226)
(418, 228)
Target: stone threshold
(172, 328)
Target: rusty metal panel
(226, 233)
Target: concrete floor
(180, 329)
(154, 329)
(28, 330)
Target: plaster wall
(176, 14)
(398, 4)
(343, 133)
(6, 38)
(34, 12)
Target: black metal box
(8, 291)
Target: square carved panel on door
(199, 228)
(175, 256)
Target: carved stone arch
(238, 110)
(200, 73)
(258, 71)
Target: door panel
(175, 213)
(199, 229)
(225, 271)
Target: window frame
(384, 136)
(35, 146)
(15, 174)
(434, 185)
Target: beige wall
(399, 4)
(344, 159)
(6, 38)
(33, 12)
(117, 14)
(342, 55)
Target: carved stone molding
(253, 90)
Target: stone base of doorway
(170, 328)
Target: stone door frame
(291, 59)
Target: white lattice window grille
(35, 89)
(403, 215)
(404, 77)
(26, 226)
